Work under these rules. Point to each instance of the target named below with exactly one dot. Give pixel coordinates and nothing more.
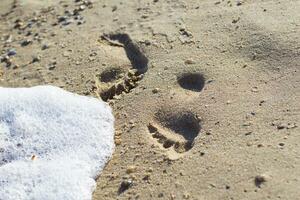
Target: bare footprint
(116, 80)
(175, 132)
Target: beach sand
(205, 93)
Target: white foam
(52, 143)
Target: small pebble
(26, 42)
(16, 66)
(146, 177)
(62, 18)
(234, 21)
(36, 59)
(9, 39)
(11, 52)
(260, 145)
(259, 180)
(281, 144)
(239, 3)
(45, 46)
(114, 8)
(281, 126)
(254, 89)
(125, 185)
(131, 169)
(82, 7)
(189, 62)
(155, 90)
(150, 170)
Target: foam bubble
(52, 143)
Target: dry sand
(205, 93)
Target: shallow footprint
(175, 132)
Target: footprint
(175, 131)
(114, 81)
(191, 81)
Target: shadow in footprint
(191, 81)
(138, 60)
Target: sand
(205, 93)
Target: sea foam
(53, 143)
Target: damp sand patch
(53, 143)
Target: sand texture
(205, 93)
